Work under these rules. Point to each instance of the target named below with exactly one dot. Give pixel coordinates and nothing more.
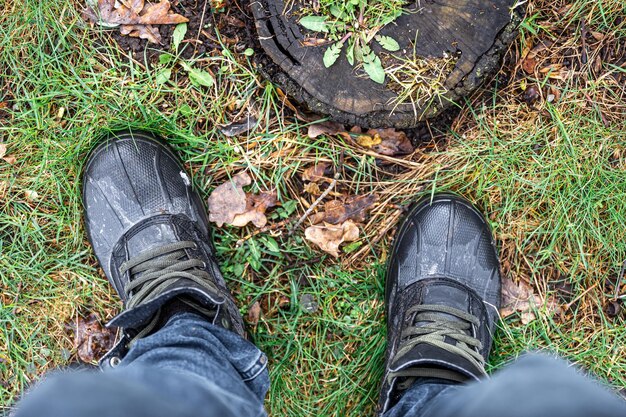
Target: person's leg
(534, 386)
(188, 368)
(183, 351)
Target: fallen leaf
(10, 159)
(392, 142)
(598, 36)
(240, 127)
(529, 57)
(31, 195)
(159, 14)
(517, 298)
(135, 16)
(328, 237)
(106, 14)
(233, 21)
(148, 32)
(353, 208)
(324, 128)
(91, 339)
(317, 172)
(520, 298)
(228, 200)
(529, 64)
(229, 204)
(256, 205)
(314, 42)
(312, 188)
(134, 5)
(3, 150)
(368, 141)
(254, 313)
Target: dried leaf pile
(388, 142)
(335, 223)
(136, 18)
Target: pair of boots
(151, 235)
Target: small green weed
(355, 24)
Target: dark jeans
(192, 368)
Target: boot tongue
(446, 295)
(432, 360)
(150, 237)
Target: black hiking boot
(442, 296)
(150, 232)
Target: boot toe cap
(128, 178)
(448, 237)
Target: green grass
(551, 181)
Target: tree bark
(477, 32)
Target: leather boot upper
(442, 296)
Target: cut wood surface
(477, 32)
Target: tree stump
(476, 33)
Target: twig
(360, 21)
(201, 26)
(583, 35)
(571, 303)
(315, 204)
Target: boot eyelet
(115, 362)
(225, 323)
(204, 265)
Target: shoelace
(434, 333)
(156, 269)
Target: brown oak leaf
(328, 237)
(312, 188)
(228, 199)
(149, 32)
(254, 313)
(317, 172)
(158, 14)
(324, 128)
(390, 142)
(521, 298)
(9, 159)
(134, 5)
(256, 205)
(135, 16)
(229, 204)
(353, 208)
(106, 14)
(91, 339)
